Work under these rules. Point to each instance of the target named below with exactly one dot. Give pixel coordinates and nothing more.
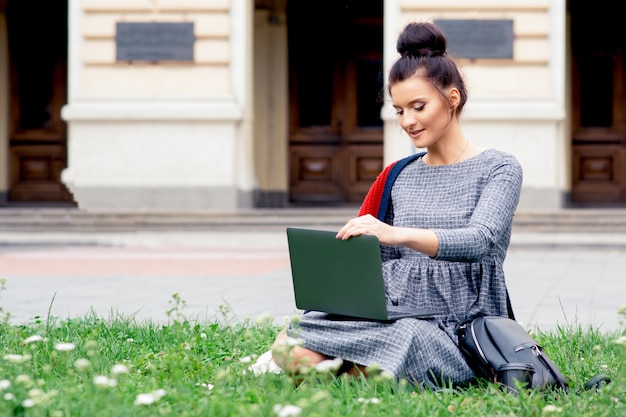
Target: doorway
(335, 87)
(599, 104)
(37, 42)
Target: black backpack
(490, 343)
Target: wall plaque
(473, 38)
(154, 41)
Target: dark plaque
(478, 38)
(154, 41)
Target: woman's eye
(398, 112)
(420, 107)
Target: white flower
(551, 408)
(373, 369)
(144, 399)
(64, 347)
(15, 358)
(5, 384)
(101, 380)
(287, 410)
(368, 400)
(290, 342)
(24, 379)
(37, 395)
(206, 385)
(9, 396)
(385, 376)
(119, 369)
(32, 339)
(621, 340)
(329, 365)
(130, 340)
(147, 399)
(264, 319)
(265, 364)
(104, 381)
(82, 364)
(203, 336)
(28, 403)
(245, 359)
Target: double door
(336, 82)
(37, 41)
(599, 104)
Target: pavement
(233, 270)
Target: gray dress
(470, 206)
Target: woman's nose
(407, 121)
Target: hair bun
(421, 39)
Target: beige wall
(270, 107)
(528, 73)
(100, 76)
(165, 135)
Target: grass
(116, 366)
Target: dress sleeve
(491, 220)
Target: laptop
(342, 277)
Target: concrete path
(554, 280)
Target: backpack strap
(597, 382)
(509, 307)
(391, 178)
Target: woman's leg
(291, 358)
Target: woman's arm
(421, 240)
(491, 217)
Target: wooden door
(336, 82)
(37, 37)
(599, 95)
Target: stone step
(573, 220)
(71, 219)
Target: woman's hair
(422, 48)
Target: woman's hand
(421, 240)
(367, 225)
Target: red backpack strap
(378, 197)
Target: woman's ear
(454, 98)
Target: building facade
(192, 105)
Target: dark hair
(422, 47)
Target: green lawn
(116, 366)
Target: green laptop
(341, 277)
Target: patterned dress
(470, 206)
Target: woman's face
(422, 111)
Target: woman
(444, 228)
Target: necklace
(457, 158)
(462, 152)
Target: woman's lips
(416, 133)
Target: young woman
(444, 227)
